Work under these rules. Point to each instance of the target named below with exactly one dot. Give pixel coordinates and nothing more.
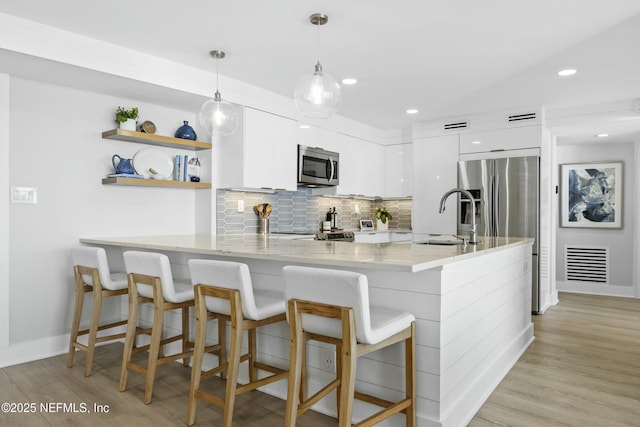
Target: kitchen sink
(442, 240)
(440, 243)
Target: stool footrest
(319, 395)
(394, 408)
(103, 327)
(210, 398)
(259, 383)
(111, 337)
(80, 346)
(213, 371)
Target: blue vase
(186, 132)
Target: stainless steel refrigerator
(506, 193)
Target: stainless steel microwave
(318, 167)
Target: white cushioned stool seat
(157, 265)
(332, 306)
(345, 289)
(256, 304)
(151, 282)
(224, 291)
(94, 257)
(92, 275)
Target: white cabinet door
(398, 170)
(262, 153)
(435, 172)
(314, 136)
(502, 139)
(361, 167)
(349, 169)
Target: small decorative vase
(186, 132)
(130, 124)
(382, 227)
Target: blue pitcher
(123, 165)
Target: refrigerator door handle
(496, 204)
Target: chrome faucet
(473, 233)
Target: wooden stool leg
(338, 375)
(295, 365)
(410, 376)
(253, 354)
(198, 355)
(303, 368)
(93, 330)
(154, 347)
(234, 365)
(222, 340)
(185, 335)
(77, 314)
(348, 354)
(130, 336)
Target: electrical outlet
(328, 360)
(240, 205)
(357, 209)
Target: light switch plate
(240, 205)
(24, 195)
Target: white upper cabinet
(361, 167)
(262, 153)
(435, 173)
(502, 139)
(313, 136)
(398, 170)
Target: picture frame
(591, 195)
(366, 225)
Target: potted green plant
(382, 215)
(127, 117)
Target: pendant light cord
(217, 73)
(318, 49)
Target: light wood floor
(583, 369)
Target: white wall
(4, 211)
(56, 146)
(620, 241)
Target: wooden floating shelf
(151, 139)
(154, 183)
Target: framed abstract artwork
(591, 195)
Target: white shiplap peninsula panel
(472, 306)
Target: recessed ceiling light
(476, 142)
(602, 135)
(349, 81)
(304, 126)
(567, 72)
(412, 111)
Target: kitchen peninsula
(472, 304)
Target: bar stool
(92, 275)
(151, 282)
(233, 300)
(332, 306)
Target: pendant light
(218, 117)
(318, 95)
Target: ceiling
(443, 57)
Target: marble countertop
(401, 256)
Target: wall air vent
(586, 264)
(457, 125)
(521, 117)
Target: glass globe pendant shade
(317, 96)
(218, 117)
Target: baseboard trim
(34, 350)
(596, 289)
